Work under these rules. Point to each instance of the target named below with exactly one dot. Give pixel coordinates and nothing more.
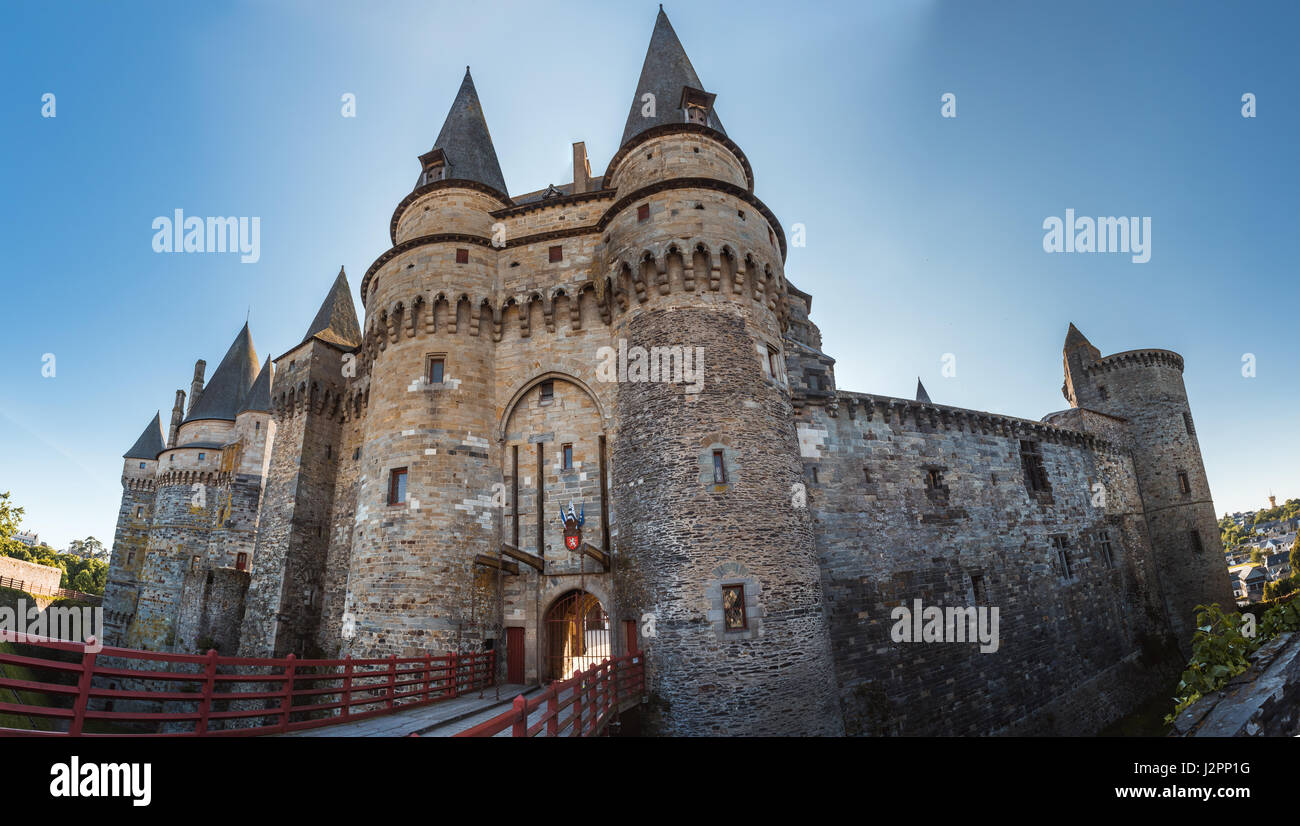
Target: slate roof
(921, 395)
(336, 320)
(259, 397)
(230, 383)
(466, 143)
(665, 71)
(150, 443)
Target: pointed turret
(464, 148)
(259, 397)
(668, 75)
(336, 320)
(921, 395)
(230, 382)
(150, 443)
(1075, 340)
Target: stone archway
(576, 635)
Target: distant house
(1250, 582)
(29, 539)
(1277, 566)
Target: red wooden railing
(20, 585)
(294, 694)
(580, 706)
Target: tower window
(435, 369)
(934, 479)
(1031, 459)
(740, 213)
(812, 474)
(719, 469)
(866, 475)
(979, 591)
(356, 453)
(643, 212)
(771, 362)
(1187, 423)
(1103, 538)
(1197, 545)
(1184, 486)
(1062, 546)
(130, 557)
(201, 455)
(557, 254)
(566, 457)
(142, 465)
(241, 562)
(1103, 392)
(397, 486)
(547, 392)
(462, 256)
(139, 512)
(733, 608)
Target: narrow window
(436, 366)
(329, 451)
(979, 591)
(201, 455)
(719, 469)
(139, 512)
(547, 391)
(740, 213)
(142, 464)
(1183, 484)
(771, 362)
(397, 486)
(194, 563)
(733, 607)
(934, 479)
(814, 382)
(356, 453)
(1061, 544)
(1103, 392)
(1031, 459)
(1197, 545)
(642, 214)
(866, 475)
(1103, 537)
(567, 454)
(557, 254)
(462, 256)
(130, 557)
(241, 562)
(812, 474)
(1187, 423)
(257, 426)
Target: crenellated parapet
(1136, 358)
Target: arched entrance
(577, 634)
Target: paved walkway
(448, 713)
(452, 728)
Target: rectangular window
(1062, 546)
(1103, 392)
(201, 455)
(1184, 485)
(397, 486)
(130, 557)
(814, 382)
(547, 391)
(934, 479)
(1103, 538)
(557, 254)
(566, 453)
(719, 469)
(643, 212)
(142, 464)
(979, 592)
(866, 476)
(1031, 459)
(436, 366)
(462, 256)
(1197, 545)
(139, 512)
(733, 607)
(812, 474)
(356, 453)
(194, 563)
(771, 363)
(1187, 423)
(241, 562)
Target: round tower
(714, 559)
(428, 349)
(1146, 388)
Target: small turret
(463, 150)
(196, 384)
(150, 443)
(178, 416)
(668, 75)
(921, 395)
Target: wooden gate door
(515, 656)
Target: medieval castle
(399, 486)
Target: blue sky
(923, 233)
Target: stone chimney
(196, 386)
(178, 413)
(581, 169)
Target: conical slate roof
(921, 395)
(336, 320)
(150, 443)
(466, 143)
(230, 383)
(259, 397)
(666, 70)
